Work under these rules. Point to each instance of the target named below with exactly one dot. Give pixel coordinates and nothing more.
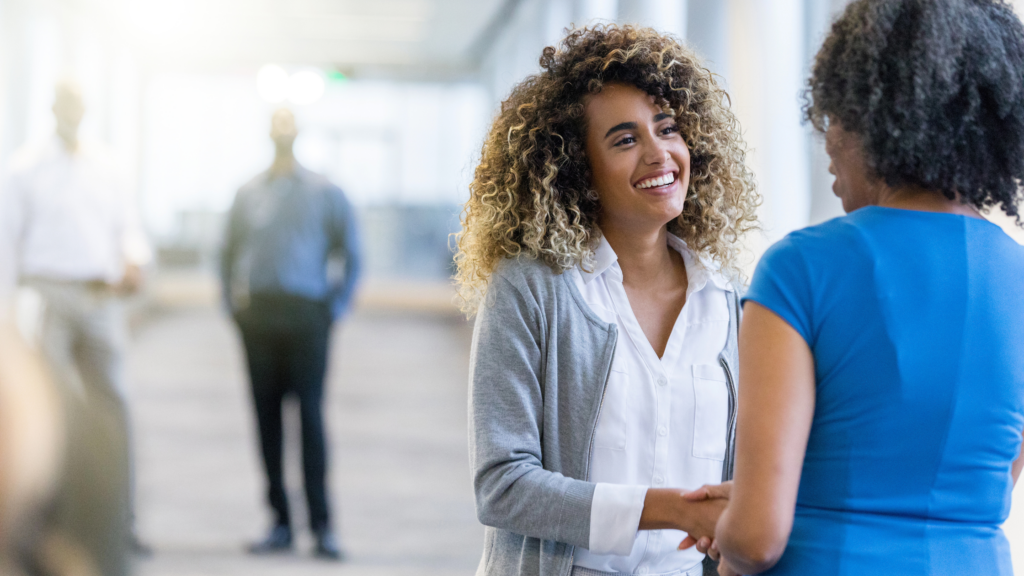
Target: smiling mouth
(657, 182)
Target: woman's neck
(917, 198)
(643, 257)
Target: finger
(697, 495)
(703, 544)
(686, 543)
(718, 491)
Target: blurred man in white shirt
(73, 236)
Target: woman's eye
(670, 129)
(625, 140)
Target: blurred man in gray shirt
(285, 229)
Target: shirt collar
(699, 271)
(604, 257)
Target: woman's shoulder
(533, 280)
(822, 241)
(526, 273)
(833, 253)
(528, 286)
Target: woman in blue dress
(881, 395)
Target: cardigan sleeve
(513, 490)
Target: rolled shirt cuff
(615, 518)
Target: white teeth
(660, 181)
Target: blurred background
(392, 99)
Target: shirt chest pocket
(711, 411)
(613, 420)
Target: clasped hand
(702, 538)
(695, 513)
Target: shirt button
(658, 480)
(662, 431)
(662, 381)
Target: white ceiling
(404, 35)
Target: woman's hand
(710, 492)
(666, 508)
(705, 543)
(699, 523)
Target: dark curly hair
(934, 89)
(531, 193)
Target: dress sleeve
(782, 284)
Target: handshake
(695, 513)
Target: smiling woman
(532, 192)
(597, 250)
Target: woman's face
(639, 161)
(854, 184)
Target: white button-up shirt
(663, 420)
(69, 216)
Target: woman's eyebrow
(632, 125)
(622, 126)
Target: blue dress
(916, 323)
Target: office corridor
(396, 410)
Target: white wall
(766, 75)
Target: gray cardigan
(539, 365)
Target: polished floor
(396, 409)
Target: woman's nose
(656, 152)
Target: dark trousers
(286, 340)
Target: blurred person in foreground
(597, 252)
(63, 473)
(31, 448)
(73, 234)
(882, 353)
(287, 229)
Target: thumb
(697, 495)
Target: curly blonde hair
(531, 194)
